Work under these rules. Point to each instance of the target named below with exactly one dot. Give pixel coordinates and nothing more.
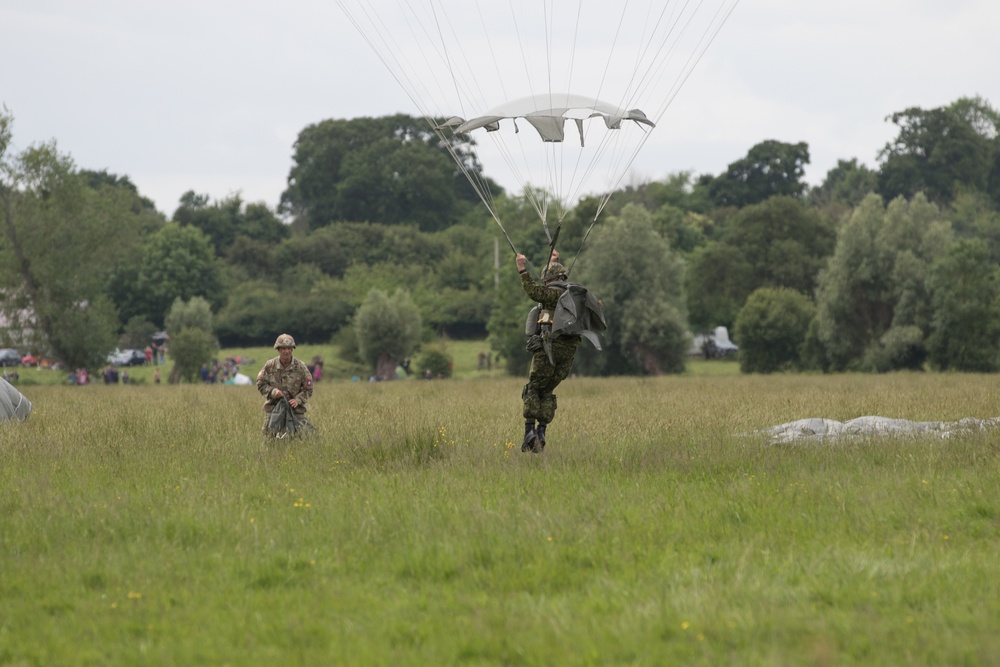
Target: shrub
(771, 328)
(435, 358)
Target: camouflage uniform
(544, 376)
(294, 381)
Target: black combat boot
(540, 437)
(529, 435)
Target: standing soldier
(285, 381)
(553, 338)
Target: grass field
(152, 525)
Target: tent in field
(13, 404)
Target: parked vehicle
(127, 358)
(10, 357)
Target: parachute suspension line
(658, 64)
(520, 45)
(493, 55)
(397, 67)
(614, 43)
(478, 182)
(586, 236)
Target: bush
(436, 359)
(771, 328)
(190, 348)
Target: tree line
(380, 245)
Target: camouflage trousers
(544, 377)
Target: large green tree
(876, 280)
(640, 280)
(192, 342)
(779, 242)
(176, 262)
(942, 152)
(718, 278)
(388, 330)
(392, 169)
(965, 295)
(58, 239)
(770, 168)
(771, 330)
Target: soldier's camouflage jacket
(294, 381)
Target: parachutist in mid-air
(564, 315)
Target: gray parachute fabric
(282, 422)
(579, 312)
(13, 404)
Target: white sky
(210, 95)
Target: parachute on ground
(473, 65)
(239, 379)
(13, 404)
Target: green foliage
(717, 279)
(435, 358)
(771, 168)
(392, 170)
(899, 348)
(965, 294)
(876, 278)
(56, 233)
(679, 190)
(372, 243)
(226, 220)
(506, 323)
(256, 312)
(252, 260)
(195, 313)
(250, 316)
(177, 263)
(388, 330)
(942, 151)
(683, 230)
(777, 243)
(973, 216)
(640, 281)
(321, 248)
(137, 333)
(771, 328)
(190, 348)
(845, 185)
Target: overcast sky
(210, 96)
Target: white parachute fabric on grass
(821, 430)
(596, 64)
(239, 379)
(13, 404)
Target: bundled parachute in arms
(560, 95)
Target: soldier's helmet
(554, 271)
(284, 340)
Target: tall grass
(153, 525)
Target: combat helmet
(553, 271)
(284, 340)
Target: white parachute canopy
(13, 404)
(548, 114)
(610, 69)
